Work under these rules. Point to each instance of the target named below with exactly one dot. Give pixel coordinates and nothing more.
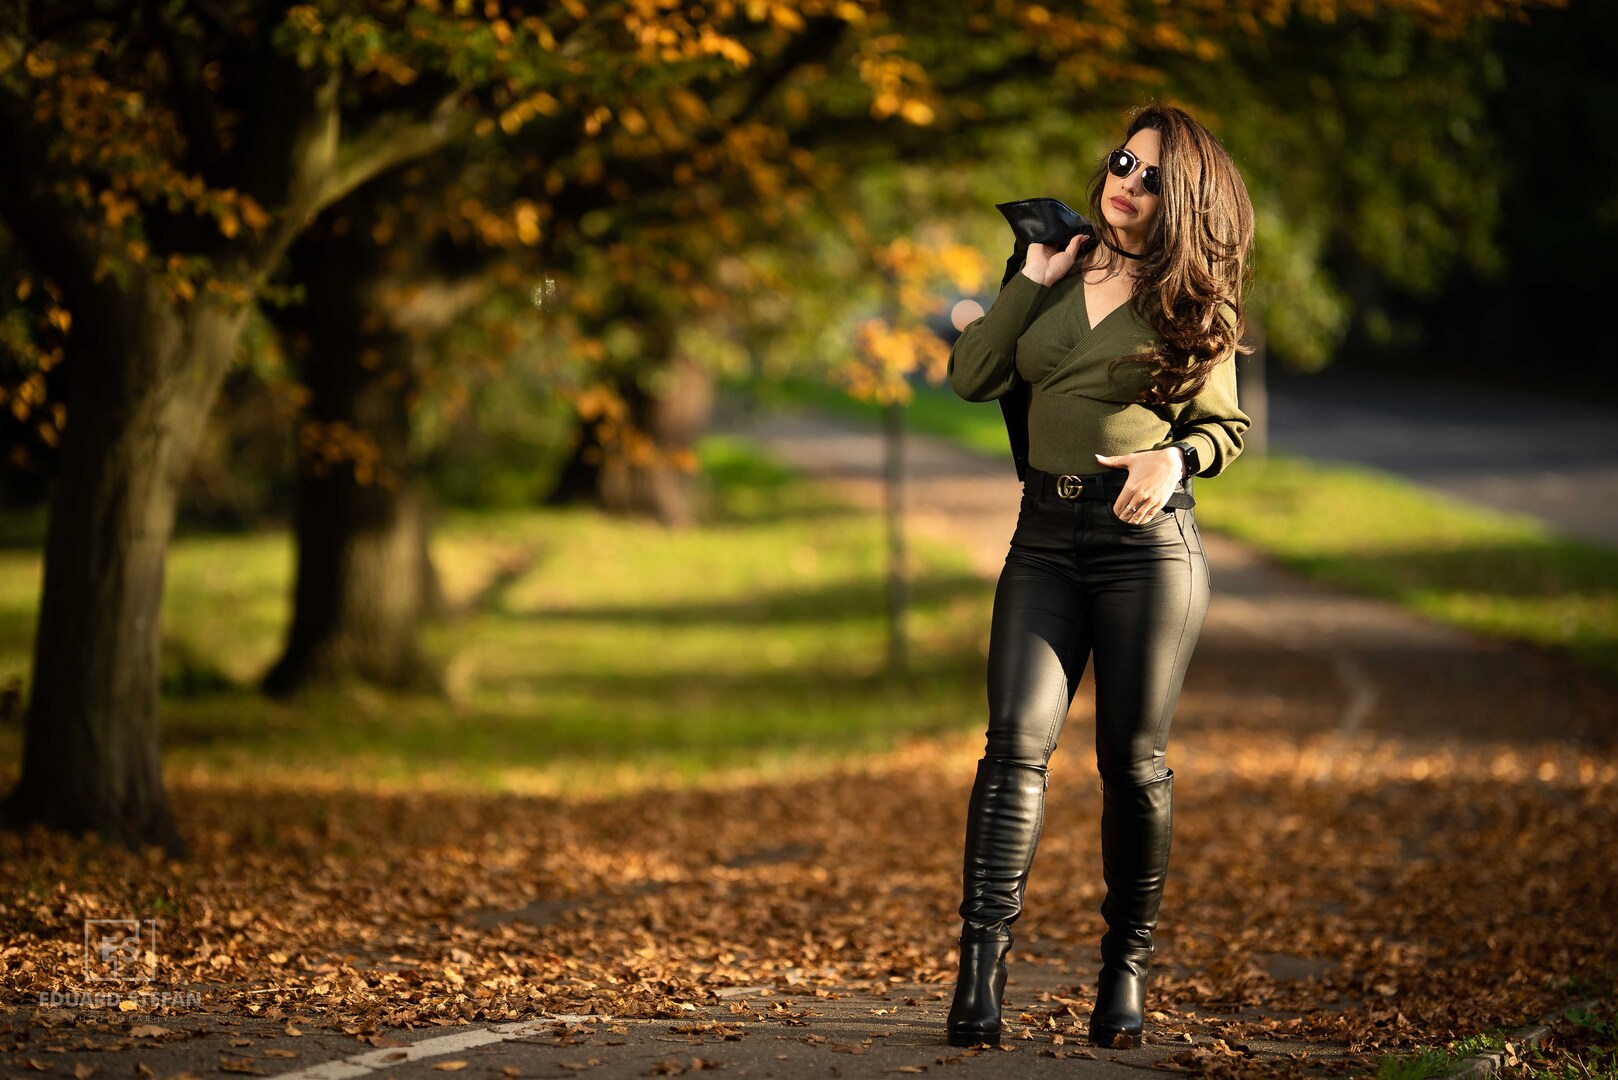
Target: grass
(625, 653)
(1438, 1061)
(1585, 1043)
(1495, 573)
(1585, 1048)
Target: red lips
(1123, 204)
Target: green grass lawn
(1487, 571)
(624, 653)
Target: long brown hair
(1196, 257)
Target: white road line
(392, 1056)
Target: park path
(1274, 641)
(1521, 451)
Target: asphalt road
(1555, 458)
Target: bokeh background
(511, 441)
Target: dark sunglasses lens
(1152, 180)
(1121, 162)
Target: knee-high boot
(1136, 823)
(1003, 822)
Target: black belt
(1103, 485)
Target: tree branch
(391, 140)
(432, 304)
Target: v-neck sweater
(1042, 333)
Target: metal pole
(1252, 392)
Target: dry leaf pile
(1369, 893)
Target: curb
(1487, 1066)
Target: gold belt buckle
(1069, 486)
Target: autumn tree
(372, 302)
(162, 159)
(160, 162)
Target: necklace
(1121, 251)
(1108, 277)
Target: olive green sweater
(1043, 333)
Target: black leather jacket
(1045, 221)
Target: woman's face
(1128, 206)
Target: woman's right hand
(1047, 264)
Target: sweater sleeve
(983, 360)
(1213, 421)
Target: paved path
(1356, 662)
(759, 1032)
(1551, 457)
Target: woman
(1128, 347)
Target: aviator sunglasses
(1121, 163)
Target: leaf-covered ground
(1386, 838)
(1361, 892)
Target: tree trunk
(364, 579)
(361, 590)
(651, 479)
(579, 480)
(139, 388)
(648, 470)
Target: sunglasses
(1121, 163)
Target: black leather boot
(1136, 823)
(1003, 821)
(974, 1016)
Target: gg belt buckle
(1069, 486)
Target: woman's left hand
(1153, 477)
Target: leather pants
(1078, 584)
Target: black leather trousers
(1080, 584)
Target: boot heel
(974, 1017)
(1119, 1014)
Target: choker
(1121, 251)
